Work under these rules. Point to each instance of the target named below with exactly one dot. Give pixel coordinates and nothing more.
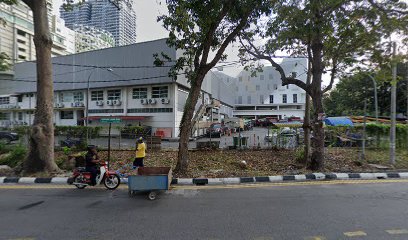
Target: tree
(347, 98)
(333, 35)
(41, 150)
(199, 28)
(4, 62)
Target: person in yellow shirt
(140, 153)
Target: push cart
(151, 180)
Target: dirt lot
(259, 162)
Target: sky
(147, 29)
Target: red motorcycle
(110, 179)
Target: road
(372, 210)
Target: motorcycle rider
(91, 161)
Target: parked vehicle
(82, 178)
(215, 129)
(7, 137)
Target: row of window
(4, 100)
(149, 110)
(137, 93)
(271, 99)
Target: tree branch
(285, 80)
(209, 37)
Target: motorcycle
(82, 178)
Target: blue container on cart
(150, 179)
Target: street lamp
(375, 97)
(87, 100)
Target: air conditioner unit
(165, 101)
(152, 101)
(79, 104)
(72, 104)
(109, 102)
(99, 103)
(144, 101)
(117, 102)
(60, 105)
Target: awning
(124, 118)
(338, 121)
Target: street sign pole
(109, 143)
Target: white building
(263, 96)
(18, 32)
(125, 85)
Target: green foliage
(5, 65)
(17, 155)
(347, 98)
(66, 150)
(77, 131)
(300, 155)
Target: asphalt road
(344, 210)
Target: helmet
(90, 147)
(140, 139)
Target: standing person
(140, 153)
(91, 161)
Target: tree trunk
(306, 130)
(186, 124)
(317, 157)
(41, 150)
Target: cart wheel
(152, 196)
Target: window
(258, 88)
(284, 98)
(65, 97)
(114, 94)
(271, 99)
(78, 96)
(294, 98)
(249, 99)
(21, 57)
(20, 116)
(287, 86)
(160, 92)
(4, 100)
(261, 99)
(139, 93)
(21, 33)
(67, 114)
(239, 99)
(4, 116)
(21, 49)
(20, 98)
(97, 96)
(21, 41)
(275, 86)
(261, 77)
(240, 79)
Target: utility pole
(364, 131)
(406, 78)
(393, 105)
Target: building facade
(102, 14)
(18, 31)
(125, 85)
(90, 38)
(263, 96)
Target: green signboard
(110, 120)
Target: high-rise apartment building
(16, 38)
(90, 38)
(102, 14)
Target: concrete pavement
(323, 210)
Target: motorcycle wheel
(111, 182)
(79, 179)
